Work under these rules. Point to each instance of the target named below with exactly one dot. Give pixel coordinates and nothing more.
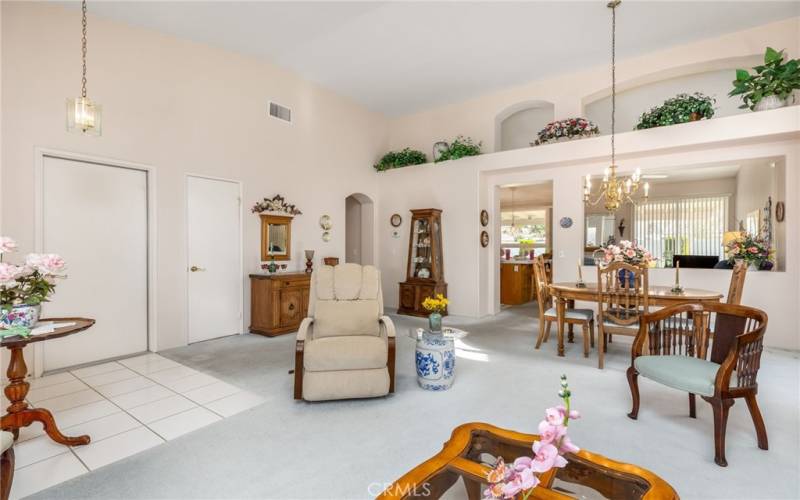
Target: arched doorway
(359, 224)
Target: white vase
(753, 267)
(770, 102)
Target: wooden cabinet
(516, 281)
(278, 302)
(425, 269)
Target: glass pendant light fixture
(614, 190)
(83, 115)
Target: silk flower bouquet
(24, 287)
(509, 480)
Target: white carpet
(348, 449)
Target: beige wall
(569, 93)
(179, 107)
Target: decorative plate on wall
(780, 211)
(484, 218)
(484, 239)
(325, 222)
(565, 222)
(395, 220)
(326, 236)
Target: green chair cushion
(579, 314)
(679, 372)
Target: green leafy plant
(459, 148)
(679, 109)
(774, 77)
(402, 158)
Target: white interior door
(95, 216)
(214, 258)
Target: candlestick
(678, 274)
(580, 271)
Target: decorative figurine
(309, 261)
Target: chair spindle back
(622, 296)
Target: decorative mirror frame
(266, 220)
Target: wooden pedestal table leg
(19, 415)
(571, 333)
(561, 312)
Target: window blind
(683, 226)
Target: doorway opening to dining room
(359, 229)
(526, 232)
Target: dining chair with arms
(622, 299)
(737, 283)
(548, 313)
(668, 352)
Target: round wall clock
(565, 222)
(484, 239)
(484, 218)
(780, 211)
(395, 220)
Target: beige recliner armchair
(346, 346)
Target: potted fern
(772, 84)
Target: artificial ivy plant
(459, 148)
(774, 77)
(402, 158)
(679, 109)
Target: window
(529, 230)
(683, 226)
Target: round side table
(435, 357)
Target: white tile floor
(126, 406)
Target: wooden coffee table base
(19, 415)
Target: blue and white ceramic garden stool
(436, 357)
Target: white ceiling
(527, 196)
(400, 57)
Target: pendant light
(614, 190)
(83, 115)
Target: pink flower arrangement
(751, 249)
(507, 481)
(627, 251)
(569, 128)
(30, 283)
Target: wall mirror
(693, 210)
(276, 237)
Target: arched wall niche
(517, 125)
(637, 95)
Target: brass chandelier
(614, 190)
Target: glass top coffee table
(474, 448)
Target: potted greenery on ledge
(772, 85)
(402, 158)
(682, 108)
(459, 148)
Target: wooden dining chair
(548, 314)
(737, 284)
(668, 353)
(621, 303)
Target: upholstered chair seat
(576, 314)
(693, 375)
(345, 347)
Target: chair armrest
(304, 332)
(388, 325)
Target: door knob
(195, 269)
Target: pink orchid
(553, 416)
(567, 446)
(546, 457)
(550, 433)
(522, 463)
(573, 414)
(520, 482)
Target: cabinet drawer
(289, 283)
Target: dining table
(659, 296)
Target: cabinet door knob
(291, 307)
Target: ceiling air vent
(280, 112)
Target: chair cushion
(679, 372)
(6, 441)
(346, 282)
(336, 318)
(345, 353)
(581, 314)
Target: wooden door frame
(40, 153)
(186, 245)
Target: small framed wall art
(395, 220)
(484, 239)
